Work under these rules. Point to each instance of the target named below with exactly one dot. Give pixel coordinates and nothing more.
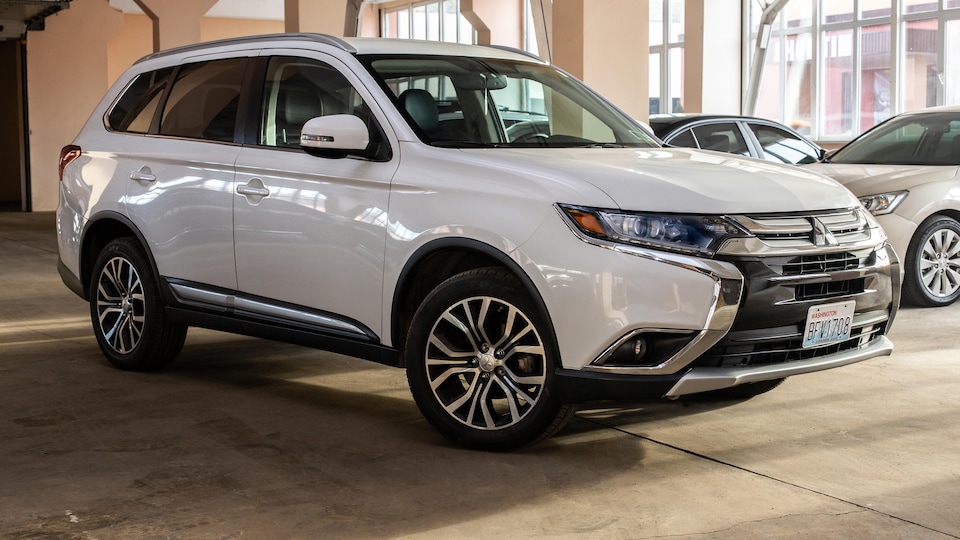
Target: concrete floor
(243, 438)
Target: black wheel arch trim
(406, 277)
(84, 245)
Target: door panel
(311, 231)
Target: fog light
(640, 348)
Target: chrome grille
(825, 229)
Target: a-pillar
(498, 22)
(175, 22)
(605, 44)
(710, 50)
(331, 17)
(67, 75)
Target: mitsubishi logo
(821, 235)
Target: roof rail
(518, 51)
(316, 38)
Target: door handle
(253, 188)
(143, 175)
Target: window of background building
(666, 56)
(835, 68)
(439, 20)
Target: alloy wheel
(940, 263)
(120, 305)
(485, 363)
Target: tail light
(68, 153)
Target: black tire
(737, 393)
(127, 311)
(466, 369)
(932, 264)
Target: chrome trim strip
(706, 379)
(228, 301)
(608, 352)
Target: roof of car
(942, 108)
(353, 45)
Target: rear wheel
(481, 361)
(932, 264)
(127, 312)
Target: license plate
(828, 323)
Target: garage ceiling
(17, 15)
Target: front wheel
(932, 263)
(127, 312)
(480, 363)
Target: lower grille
(740, 349)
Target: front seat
(422, 108)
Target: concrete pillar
(542, 11)
(711, 80)
(605, 43)
(67, 75)
(175, 22)
(497, 22)
(332, 17)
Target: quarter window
(724, 137)
(136, 108)
(204, 100)
(684, 139)
(781, 146)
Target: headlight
(691, 234)
(884, 203)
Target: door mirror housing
(335, 136)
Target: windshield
(913, 139)
(461, 102)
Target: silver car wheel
(940, 263)
(120, 305)
(485, 363)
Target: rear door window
(204, 101)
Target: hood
(680, 180)
(865, 180)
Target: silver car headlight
(689, 234)
(883, 203)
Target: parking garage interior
(243, 437)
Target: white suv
(470, 213)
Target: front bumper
(764, 340)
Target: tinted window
(135, 109)
(722, 137)
(684, 138)
(783, 146)
(921, 139)
(204, 100)
(298, 89)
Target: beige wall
(711, 57)
(601, 43)
(67, 75)
(64, 88)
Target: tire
(932, 265)
(480, 363)
(127, 312)
(737, 393)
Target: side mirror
(335, 136)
